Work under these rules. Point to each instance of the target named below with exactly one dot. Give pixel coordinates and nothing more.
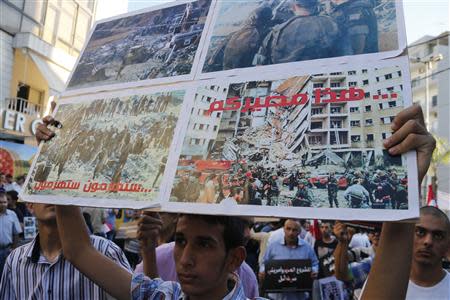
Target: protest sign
(29, 227)
(267, 34)
(224, 124)
(331, 289)
(109, 149)
(156, 45)
(287, 275)
(309, 144)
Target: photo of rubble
(155, 44)
(268, 32)
(113, 148)
(263, 146)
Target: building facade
(430, 80)
(40, 42)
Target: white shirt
(359, 240)
(440, 291)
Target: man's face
(201, 260)
(43, 212)
(431, 241)
(2, 178)
(374, 238)
(291, 231)
(3, 203)
(238, 196)
(325, 229)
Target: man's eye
(204, 244)
(438, 236)
(180, 241)
(420, 232)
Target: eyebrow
(206, 239)
(432, 231)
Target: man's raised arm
(388, 278)
(78, 250)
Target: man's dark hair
(436, 212)
(233, 228)
(13, 194)
(2, 193)
(235, 191)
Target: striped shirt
(29, 275)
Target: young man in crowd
(9, 229)
(167, 267)
(207, 251)
(37, 270)
(324, 249)
(428, 280)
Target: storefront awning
(55, 75)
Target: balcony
(22, 106)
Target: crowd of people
(187, 256)
(257, 185)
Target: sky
(422, 17)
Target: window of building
(208, 99)
(370, 137)
(365, 81)
(316, 125)
(355, 123)
(390, 89)
(23, 91)
(355, 138)
(315, 140)
(434, 100)
(354, 109)
(336, 73)
(82, 28)
(352, 83)
(367, 95)
(392, 104)
(318, 85)
(218, 115)
(336, 110)
(335, 84)
(201, 126)
(215, 127)
(378, 79)
(368, 108)
(351, 72)
(385, 135)
(369, 122)
(316, 111)
(364, 71)
(67, 21)
(336, 124)
(399, 73)
(388, 76)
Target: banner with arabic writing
(110, 151)
(295, 144)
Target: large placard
(250, 114)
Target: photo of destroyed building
(119, 143)
(255, 33)
(319, 154)
(155, 44)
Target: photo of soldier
(269, 32)
(117, 141)
(154, 44)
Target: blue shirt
(9, 227)
(144, 288)
(279, 250)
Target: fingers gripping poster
(260, 131)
